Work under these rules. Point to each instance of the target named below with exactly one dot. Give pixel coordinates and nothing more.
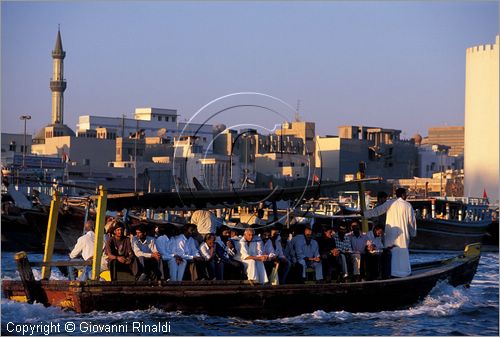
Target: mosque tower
(57, 83)
(56, 128)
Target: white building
(14, 142)
(212, 171)
(153, 121)
(435, 158)
(482, 121)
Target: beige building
(327, 157)
(303, 130)
(452, 136)
(90, 154)
(213, 171)
(449, 183)
(382, 150)
(292, 166)
(481, 153)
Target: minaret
(58, 84)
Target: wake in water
(443, 300)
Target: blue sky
(390, 64)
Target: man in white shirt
(149, 258)
(273, 249)
(185, 251)
(85, 247)
(252, 257)
(400, 226)
(213, 254)
(165, 246)
(233, 267)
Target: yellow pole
(51, 234)
(99, 232)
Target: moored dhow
(449, 224)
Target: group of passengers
(273, 254)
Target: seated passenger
(185, 251)
(274, 252)
(252, 258)
(212, 253)
(294, 251)
(343, 243)
(334, 266)
(165, 247)
(147, 255)
(235, 239)
(358, 245)
(233, 269)
(378, 258)
(120, 254)
(311, 255)
(85, 247)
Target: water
(445, 311)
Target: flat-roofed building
(452, 136)
(384, 153)
(153, 122)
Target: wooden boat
(242, 299)
(24, 225)
(449, 224)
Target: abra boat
(242, 299)
(449, 224)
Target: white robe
(400, 226)
(255, 269)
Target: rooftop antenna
(297, 115)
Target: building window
(159, 118)
(174, 119)
(12, 146)
(166, 118)
(280, 164)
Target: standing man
(400, 226)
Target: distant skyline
(397, 65)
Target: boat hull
(27, 230)
(447, 235)
(236, 298)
